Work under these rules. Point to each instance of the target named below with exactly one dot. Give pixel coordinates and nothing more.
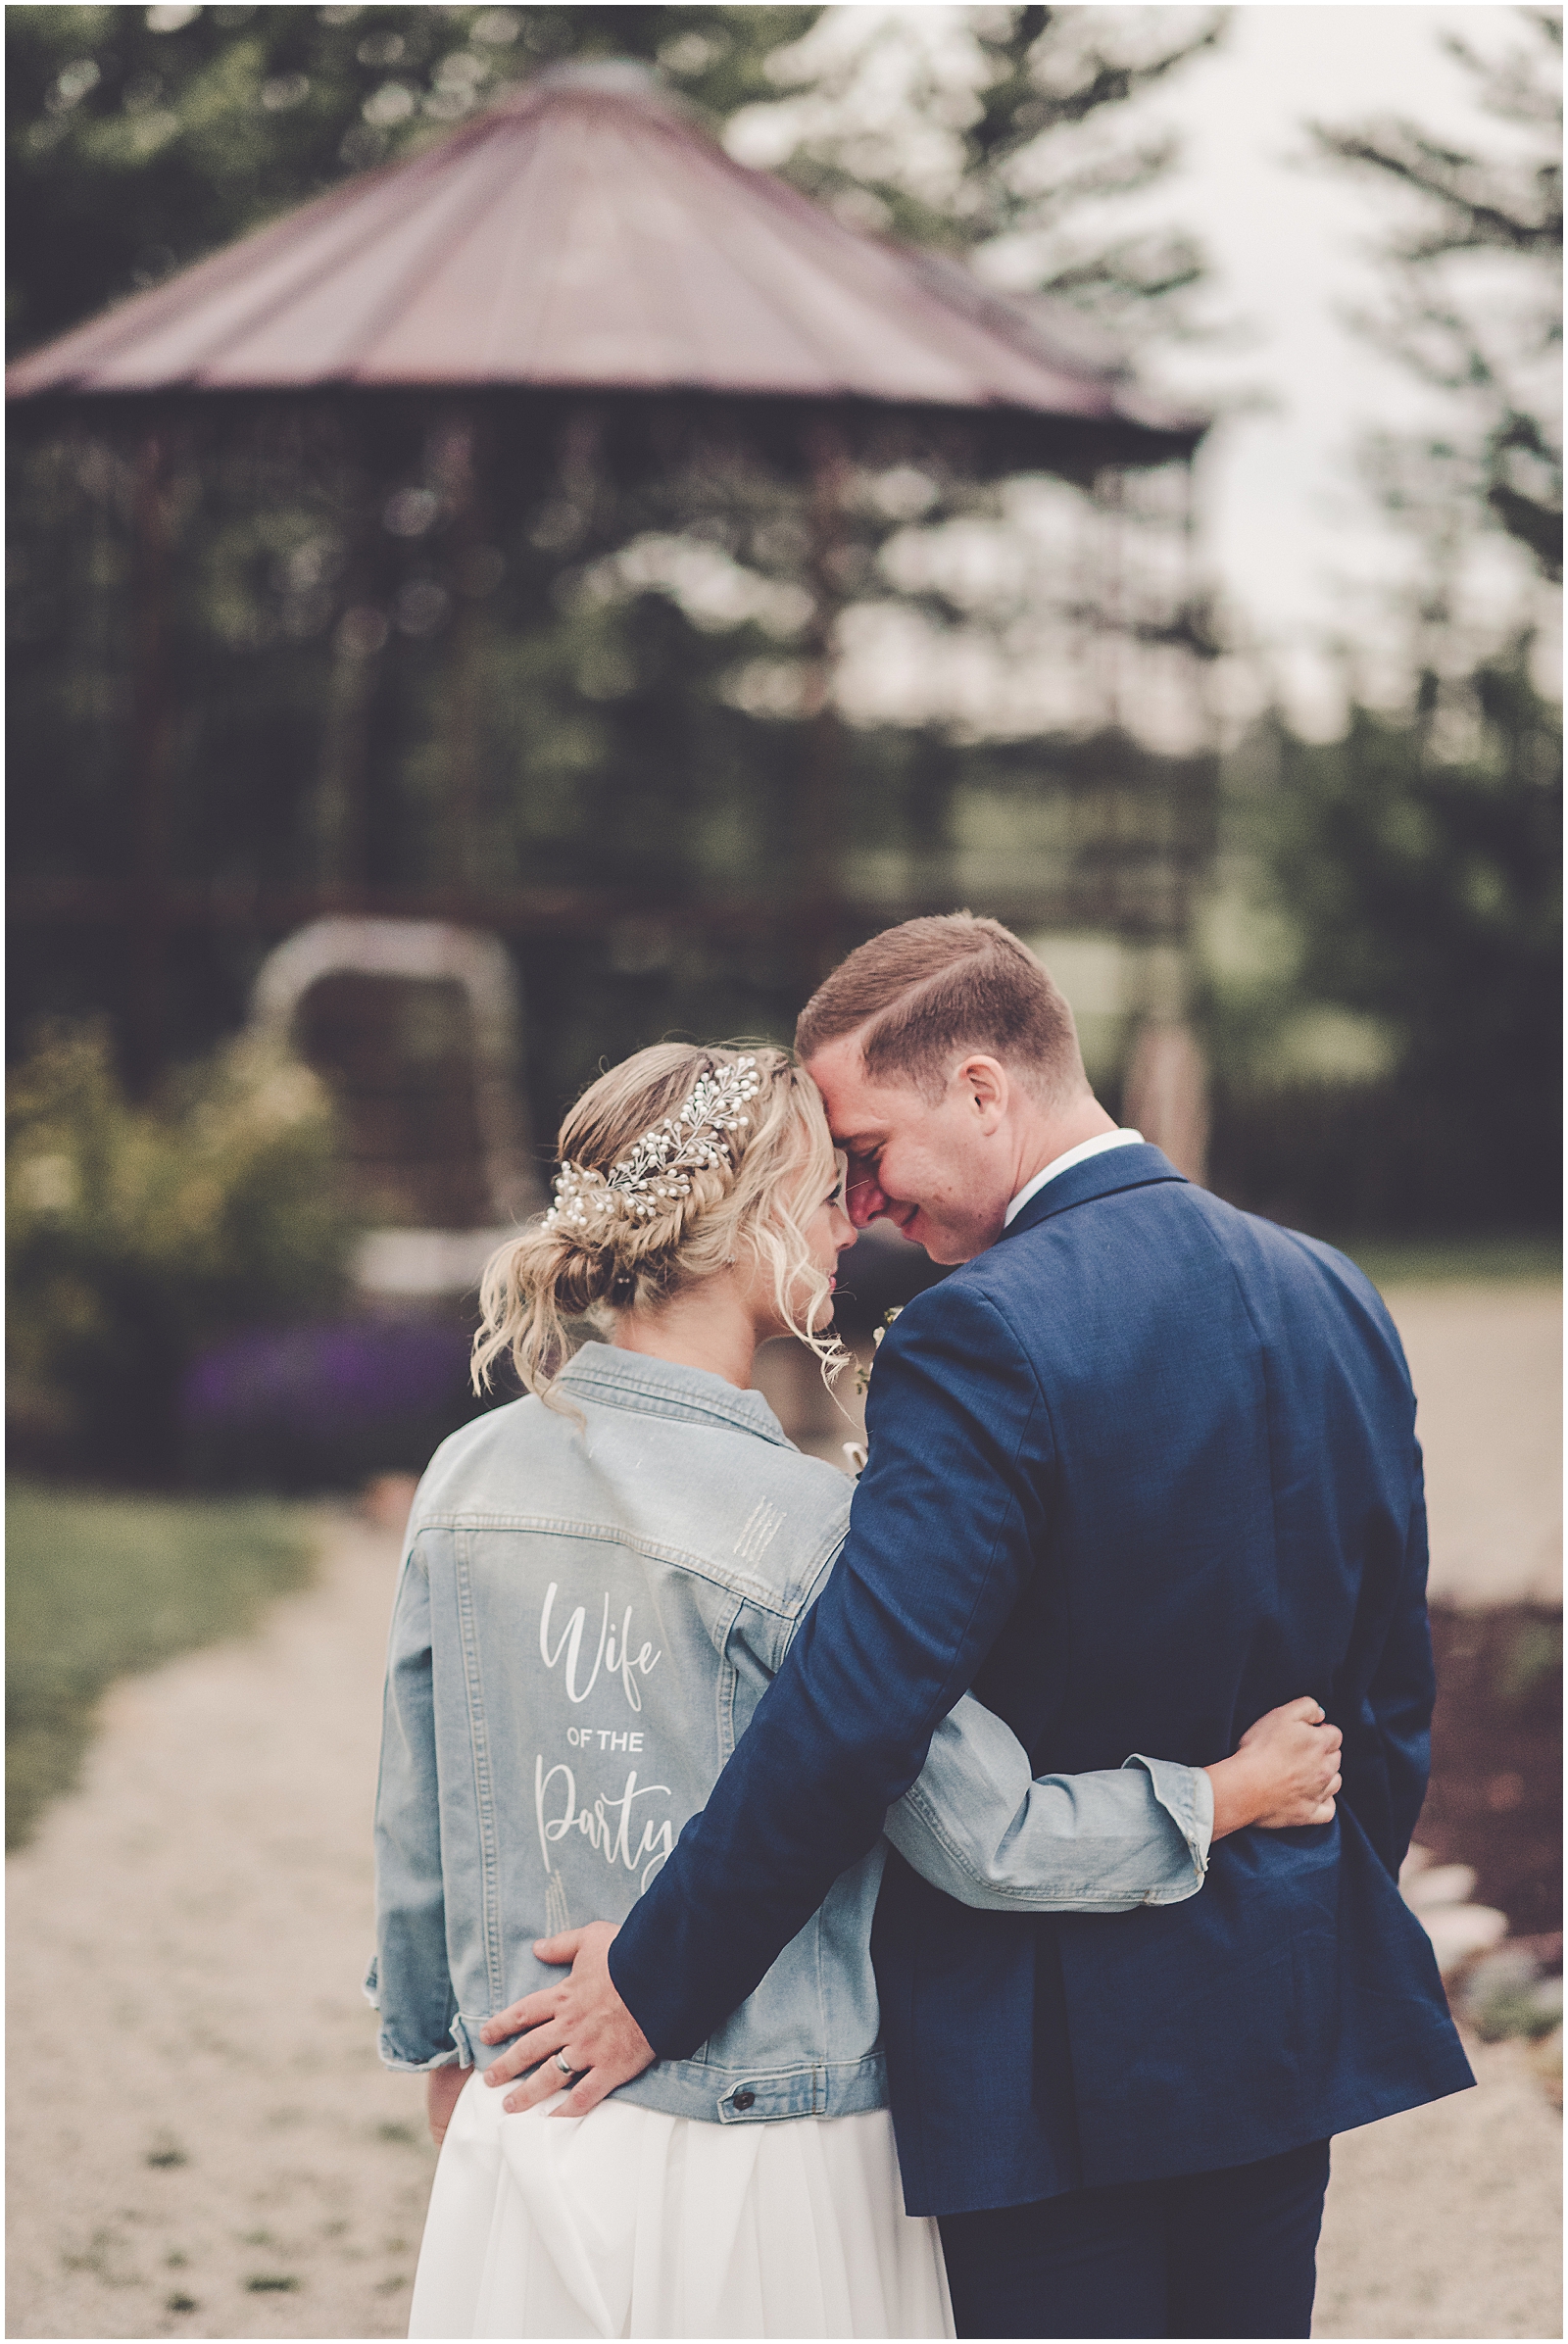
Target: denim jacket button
(745, 2100)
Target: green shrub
(134, 1234)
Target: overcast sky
(1298, 546)
(1299, 549)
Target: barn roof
(584, 234)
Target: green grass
(1452, 1261)
(98, 1585)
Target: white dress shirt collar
(1065, 1163)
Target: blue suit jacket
(1140, 1472)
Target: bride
(599, 1583)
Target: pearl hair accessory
(657, 1171)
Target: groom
(1142, 1468)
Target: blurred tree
(637, 664)
(1490, 339)
(1002, 131)
(1413, 866)
(1410, 873)
(1427, 877)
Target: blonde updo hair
(750, 1201)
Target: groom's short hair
(930, 990)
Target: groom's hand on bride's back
(583, 2020)
(1284, 1774)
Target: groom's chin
(953, 1249)
(945, 1247)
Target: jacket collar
(648, 1386)
(1104, 1175)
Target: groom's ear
(986, 1082)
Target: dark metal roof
(584, 235)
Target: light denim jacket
(591, 1606)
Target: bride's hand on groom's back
(1284, 1771)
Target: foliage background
(1378, 947)
(639, 658)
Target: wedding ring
(565, 2065)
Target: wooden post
(341, 809)
(821, 802)
(151, 744)
(456, 468)
(1202, 694)
(1166, 1094)
(1084, 611)
(1110, 496)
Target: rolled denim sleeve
(410, 1982)
(976, 1826)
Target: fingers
(1303, 1727)
(1311, 1808)
(603, 2056)
(595, 2085)
(560, 1949)
(543, 2043)
(534, 2010)
(534, 2089)
(1304, 1711)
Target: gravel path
(1447, 2222)
(1486, 1365)
(202, 2142)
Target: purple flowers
(325, 1405)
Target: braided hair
(675, 1165)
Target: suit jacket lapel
(1102, 1175)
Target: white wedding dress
(628, 2222)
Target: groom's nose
(863, 1194)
